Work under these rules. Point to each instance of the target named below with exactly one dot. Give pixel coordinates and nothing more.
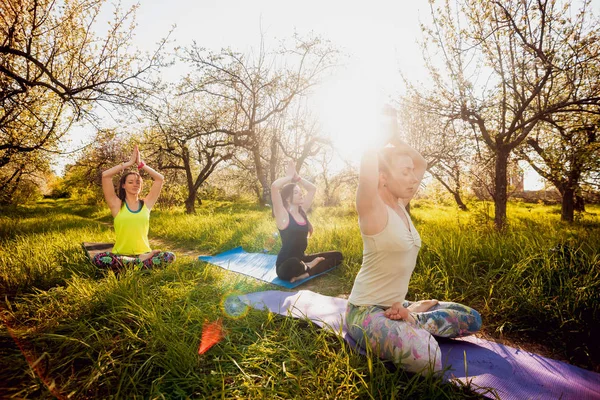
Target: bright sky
(380, 38)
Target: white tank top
(389, 259)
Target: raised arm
(372, 212)
(113, 201)
(367, 196)
(310, 188)
(281, 214)
(157, 184)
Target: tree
(565, 148)
(186, 136)
(53, 68)
(334, 183)
(24, 132)
(443, 142)
(294, 135)
(291, 134)
(256, 88)
(83, 178)
(482, 175)
(534, 61)
(23, 178)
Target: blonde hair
(387, 157)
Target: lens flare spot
(212, 333)
(233, 307)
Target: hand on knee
(398, 312)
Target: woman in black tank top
(289, 205)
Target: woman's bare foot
(148, 255)
(314, 262)
(422, 306)
(309, 265)
(297, 278)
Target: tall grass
(539, 281)
(90, 334)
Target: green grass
(95, 335)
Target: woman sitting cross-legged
(131, 217)
(289, 208)
(378, 315)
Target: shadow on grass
(90, 333)
(47, 218)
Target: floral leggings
(116, 261)
(409, 346)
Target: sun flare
(349, 110)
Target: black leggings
(293, 267)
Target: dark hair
(287, 191)
(386, 158)
(121, 192)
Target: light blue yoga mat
(258, 265)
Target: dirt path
(159, 244)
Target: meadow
(70, 330)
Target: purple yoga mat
(513, 373)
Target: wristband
(296, 179)
(141, 165)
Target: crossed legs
(294, 268)
(115, 262)
(412, 347)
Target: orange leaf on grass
(212, 333)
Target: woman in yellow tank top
(131, 217)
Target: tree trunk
(579, 203)
(500, 188)
(266, 195)
(261, 175)
(459, 201)
(189, 178)
(190, 202)
(568, 205)
(454, 193)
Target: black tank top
(294, 240)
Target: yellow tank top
(389, 259)
(131, 228)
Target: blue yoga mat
(257, 265)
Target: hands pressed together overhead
(136, 158)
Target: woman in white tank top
(378, 314)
